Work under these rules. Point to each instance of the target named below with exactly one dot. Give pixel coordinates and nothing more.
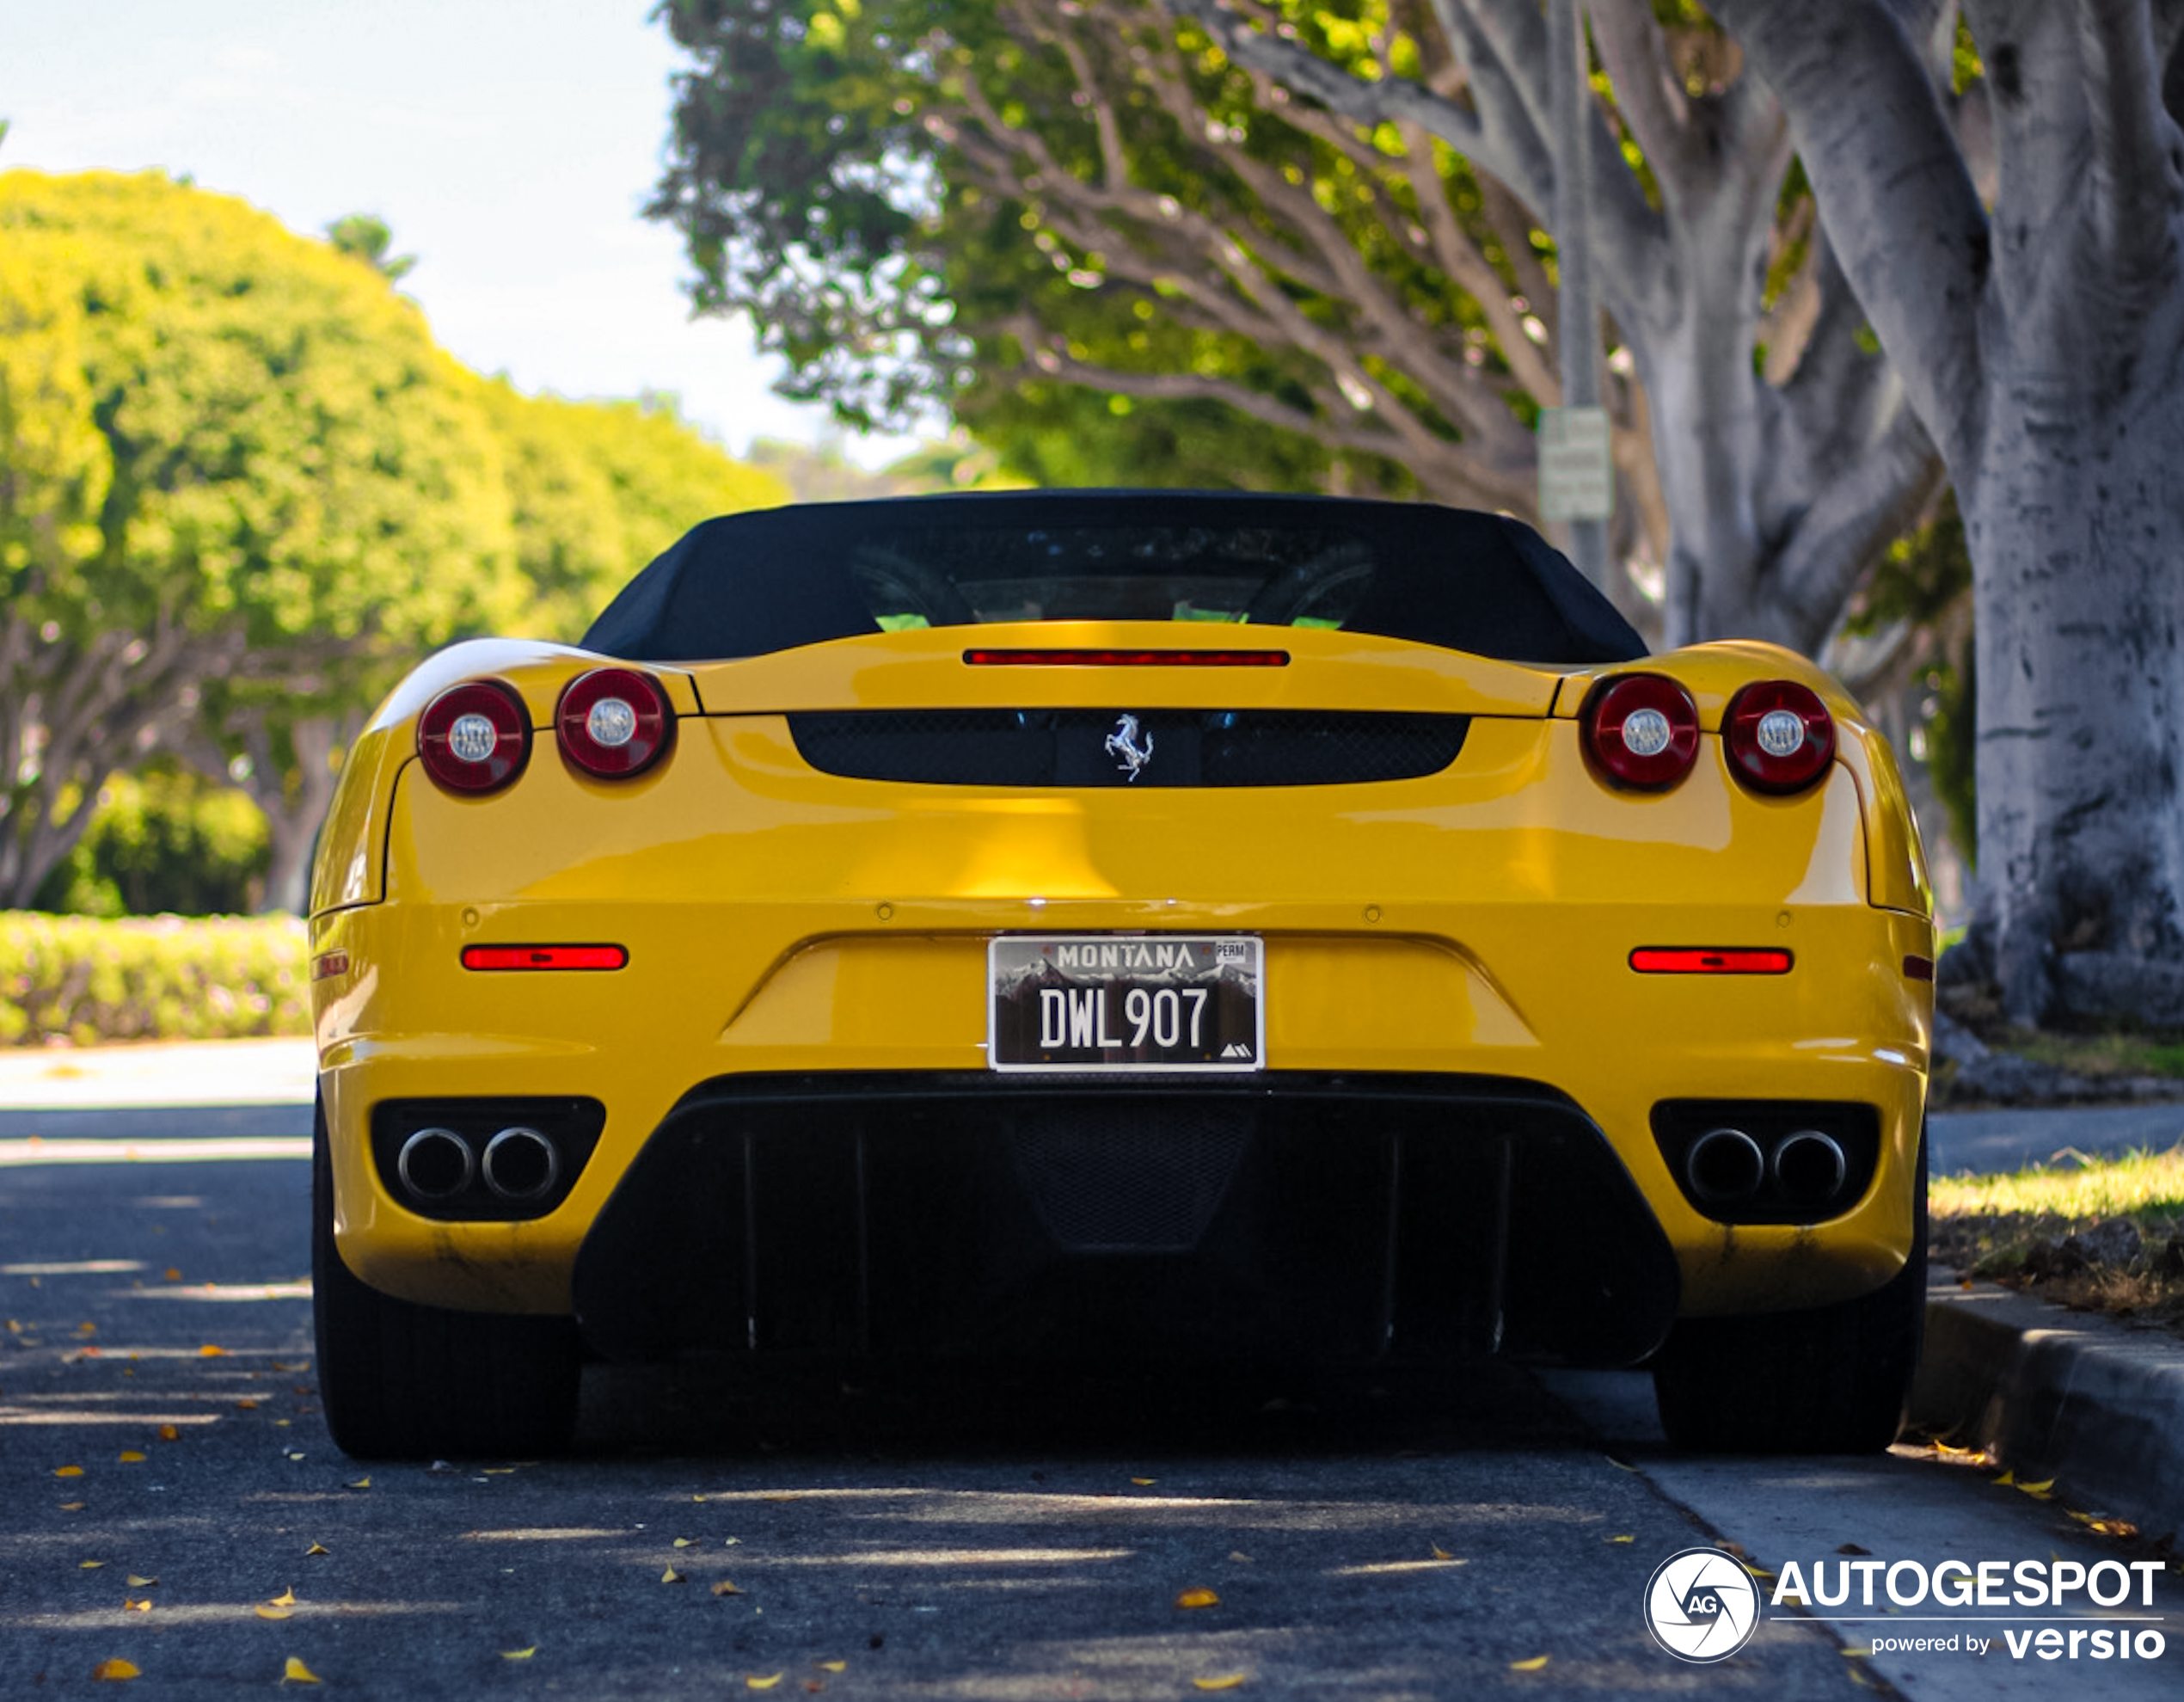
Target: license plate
(1080, 1002)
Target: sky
(509, 144)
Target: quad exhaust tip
(1724, 1165)
(521, 1163)
(1809, 1167)
(436, 1164)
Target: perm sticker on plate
(1125, 1002)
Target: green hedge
(150, 978)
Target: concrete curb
(2070, 1395)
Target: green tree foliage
(367, 237)
(598, 488)
(1117, 256)
(165, 838)
(1923, 587)
(241, 490)
(234, 454)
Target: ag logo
(1701, 1606)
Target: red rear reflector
(544, 958)
(1127, 658)
(1658, 959)
(1918, 968)
(328, 964)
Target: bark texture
(2041, 341)
(1778, 482)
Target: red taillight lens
(544, 958)
(474, 738)
(1641, 731)
(1779, 736)
(615, 723)
(1127, 658)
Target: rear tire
(1829, 1380)
(402, 1382)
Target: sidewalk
(2075, 1397)
(177, 1072)
(230, 1089)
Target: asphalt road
(953, 1539)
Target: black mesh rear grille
(1094, 747)
(1148, 1184)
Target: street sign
(1576, 476)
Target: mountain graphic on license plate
(1078, 1002)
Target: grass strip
(2015, 1229)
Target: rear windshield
(749, 584)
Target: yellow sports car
(1118, 924)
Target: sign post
(1576, 472)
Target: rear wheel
(405, 1381)
(1829, 1380)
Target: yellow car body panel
(1477, 921)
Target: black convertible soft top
(748, 584)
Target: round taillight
(474, 738)
(1779, 736)
(615, 723)
(1641, 731)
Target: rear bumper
(1338, 1219)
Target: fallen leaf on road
(1200, 1597)
(246, 1406)
(833, 1665)
(273, 1612)
(73, 1506)
(89, 1565)
(724, 1588)
(1855, 1654)
(792, 1495)
(489, 1471)
(1440, 1553)
(173, 1275)
(752, 1681)
(1225, 1681)
(285, 1599)
(129, 1607)
(1622, 1539)
(1144, 1483)
(1238, 1554)
(68, 1470)
(315, 1548)
(208, 1351)
(2005, 1480)
(86, 1328)
(1531, 1666)
(360, 1483)
(170, 1433)
(2039, 1491)
(520, 1654)
(116, 1668)
(1617, 1463)
(686, 1542)
(297, 1672)
(131, 1457)
(671, 1577)
(136, 1582)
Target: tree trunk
(2074, 523)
